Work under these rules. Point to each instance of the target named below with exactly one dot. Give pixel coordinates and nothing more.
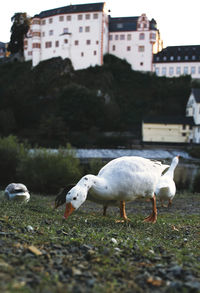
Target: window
(50, 20)
(171, 58)
(88, 42)
(171, 71)
(43, 34)
(183, 134)
(129, 37)
(157, 58)
(141, 63)
(186, 58)
(65, 41)
(36, 21)
(152, 36)
(178, 70)
(97, 42)
(76, 43)
(36, 34)
(29, 53)
(36, 45)
(157, 70)
(193, 70)
(110, 37)
(113, 47)
(43, 22)
(179, 58)
(199, 69)
(87, 29)
(48, 45)
(128, 48)
(163, 70)
(193, 57)
(116, 37)
(65, 30)
(80, 29)
(69, 18)
(120, 25)
(95, 53)
(141, 36)
(51, 32)
(141, 49)
(95, 15)
(61, 18)
(87, 16)
(82, 54)
(164, 58)
(80, 16)
(56, 43)
(185, 70)
(122, 37)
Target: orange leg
(169, 203)
(123, 211)
(153, 217)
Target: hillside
(52, 104)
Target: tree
(19, 29)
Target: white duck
(166, 188)
(17, 191)
(122, 179)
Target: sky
(177, 20)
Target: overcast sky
(177, 20)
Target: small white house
(193, 110)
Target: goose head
(175, 161)
(76, 197)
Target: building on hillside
(85, 32)
(168, 129)
(177, 60)
(193, 110)
(78, 32)
(3, 47)
(134, 39)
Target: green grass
(81, 253)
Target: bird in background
(166, 187)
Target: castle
(84, 33)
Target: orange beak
(68, 210)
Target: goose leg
(104, 210)
(169, 203)
(153, 217)
(123, 211)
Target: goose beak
(68, 210)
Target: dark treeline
(51, 104)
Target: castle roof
(173, 54)
(119, 24)
(91, 7)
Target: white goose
(17, 191)
(166, 188)
(122, 179)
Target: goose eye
(74, 198)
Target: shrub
(11, 154)
(46, 171)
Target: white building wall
(84, 41)
(176, 69)
(127, 45)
